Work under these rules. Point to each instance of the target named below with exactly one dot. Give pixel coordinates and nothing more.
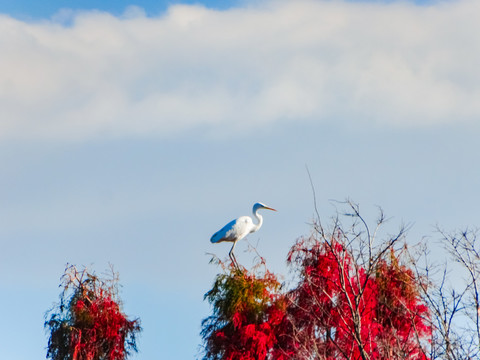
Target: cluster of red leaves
(247, 310)
(402, 316)
(331, 298)
(99, 327)
(88, 323)
(338, 310)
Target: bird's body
(239, 228)
(235, 230)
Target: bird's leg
(232, 256)
(236, 262)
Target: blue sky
(29, 9)
(33, 10)
(130, 135)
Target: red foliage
(402, 316)
(99, 322)
(339, 311)
(88, 323)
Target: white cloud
(397, 64)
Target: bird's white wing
(235, 230)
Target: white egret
(239, 228)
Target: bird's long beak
(269, 208)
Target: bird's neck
(260, 220)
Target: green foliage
(246, 307)
(240, 291)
